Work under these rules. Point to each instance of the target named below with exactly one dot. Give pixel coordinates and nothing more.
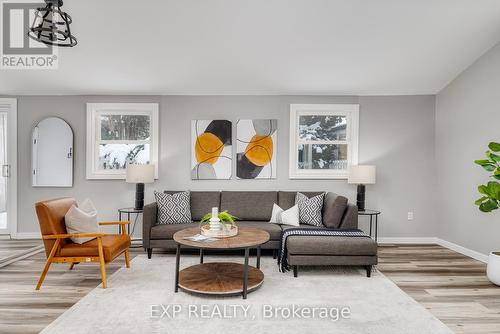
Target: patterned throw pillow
(310, 209)
(173, 209)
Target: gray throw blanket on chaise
(311, 232)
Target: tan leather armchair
(60, 249)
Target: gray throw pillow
(173, 209)
(334, 209)
(310, 209)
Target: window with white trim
(323, 140)
(120, 133)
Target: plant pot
(493, 270)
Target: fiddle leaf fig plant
(490, 192)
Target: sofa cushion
(286, 199)
(333, 210)
(328, 245)
(274, 230)
(166, 231)
(249, 205)
(286, 227)
(202, 203)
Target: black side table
(371, 213)
(128, 212)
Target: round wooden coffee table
(221, 278)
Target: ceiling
(335, 47)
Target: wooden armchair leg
(47, 264)
(72, 265)
(44, 272)
(127, 259)
(102, 264)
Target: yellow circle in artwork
(260, 150)
(208, 148)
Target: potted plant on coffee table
(490, 201)
(219, 224)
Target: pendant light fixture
(51, 25)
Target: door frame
(12, 160)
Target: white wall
(467, 118)
(396, 134)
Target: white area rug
(376, 304)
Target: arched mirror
(52, 153)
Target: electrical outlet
(410, 215)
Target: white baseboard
(462, 250)
(27, 235)
(410, 240)
(431, 240)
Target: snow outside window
(323, 140)
(118, 134)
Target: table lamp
(361, 175)
(140, 174)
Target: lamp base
(139, 196)
(360, 198)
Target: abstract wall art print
(256, 148)
(212, 150)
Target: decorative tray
(226, 232)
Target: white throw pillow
(287, 217)
(82, 219)
(290, 216)
(276, 213)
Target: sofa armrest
(149, 219)
(350, 219)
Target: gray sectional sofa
(254, 209)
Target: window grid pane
(322, 156)
(124, 127)
(116, 156)
(322, 127)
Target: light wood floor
(451, 286)
(12, 247)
